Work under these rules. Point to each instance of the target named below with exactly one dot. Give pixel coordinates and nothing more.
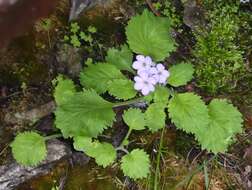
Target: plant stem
(52, 136)
(158, 160)
(118, 104)
(122, 149)
(128, 134)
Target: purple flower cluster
(148, 74)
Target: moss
(218, 54)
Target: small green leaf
(64, 90)
(98, 76)
(74, 27)
(225, 122)
(85, 114)
(75, 41)
(155, 116)
(189, 113)
(92, 29)
(83, 36)
(136, 164)
(29, 148)
(82, 143)
(122, 59)
(122, 89)
(149, 35)
(134, 118)
(180, 74)
(103, 153)
(161, 95)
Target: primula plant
(134, 73)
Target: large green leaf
(98, 76)
(122, 58)
(155, 116)
(225, 122)
(134, 118)
(29, 148)
(189, 113)
(122, 89)
(136, 164)
(64, 89)
(150, 35)
(180, 74)
(85, 114)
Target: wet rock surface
(69, 60)
(13, 174)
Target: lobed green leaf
(134, 118)
(103, 153)
(99, 76)
(225, 122)
(85, 114)
(29, 148)
(149, 35)
(122, 89)
(189, 113)
(155, 116)
(122, 58)
(180, 74)
(136, 164)
(64, 89)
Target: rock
(13, 174)
(80, 158)
(69, 60)
(30, 115)
(193, 15)
(78, 6)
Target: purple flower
(144, 83)
(161, 74)
(150, 73)
(142, 63)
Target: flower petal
(160, 67)
(153, 71)
(165, 73)
(152, 80)
(162, 79)
(140, 58)
(138, 85)
(151, 88)
(145, 91)
(137, 65)
(138, 79)
(143, 74)
(148, 60)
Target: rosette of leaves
(84, 114)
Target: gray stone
(13, 174)
(69, 60)
(193, 15)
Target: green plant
(84, 115)
(167, 9)
(77, 37)
(45, 25)
(219, 60)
